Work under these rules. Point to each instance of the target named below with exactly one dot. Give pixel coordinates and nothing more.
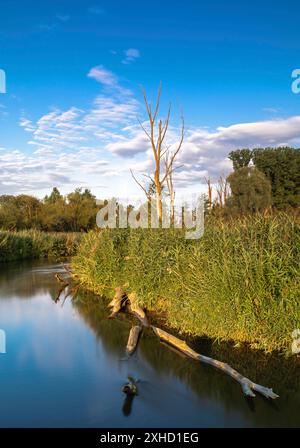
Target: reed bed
(30, 244)
(240, 282)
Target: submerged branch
(118, 302)
(63, 287)
(134, 308)
(133, 339)
(247, 385)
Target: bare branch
(170, 172)
(148, 107)
(149, 177)
(144, 129)
(166, 124)
(157, 101)
(140, 185)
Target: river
(65, 366)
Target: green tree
(81, 210)
(282, 167)
(250, 191)
(29, 208)
(54, 197)
(53, 213)
(19, 212)
(240, 158)
(10, 216)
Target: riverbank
(32, 244)
(240, 282)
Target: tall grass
(240, 282)
(29, 244)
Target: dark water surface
(65, 366)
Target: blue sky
(74, 70)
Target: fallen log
(133, 339)
(60, 292)
(134, 308)
(61, 280)
(117, 302)
(247, 385)
(64, 284)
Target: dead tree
(247, 385)
(209, 192)
(157, 134)
(222, 190)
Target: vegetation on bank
(75, 212)
(240, 281)
(30, 244)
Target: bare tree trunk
(222, 191)
(117, 302)
(247, 385)
(133, 339)
(170, 189)
(136, 310)
(209, 187)
(158, 189)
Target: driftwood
(133, 339)
(63, 287)
(61, 280)
(69, 270)
(130, 388)
(247, 385)
(121, 299)
(117, 302)
(60, 293)
(136, 310)
(72, 292)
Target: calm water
(65, 366)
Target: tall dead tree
(157, 133)
(222, 190)
(209, 192)
(170, 186)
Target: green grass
(240, 282)
(30, 244)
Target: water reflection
(65, 366)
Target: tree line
(54, 213)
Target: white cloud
(104, 76)
(96, 142)
(76, 147)
(129, 147)
(271, 110)
(108, 79)
(131, 55)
